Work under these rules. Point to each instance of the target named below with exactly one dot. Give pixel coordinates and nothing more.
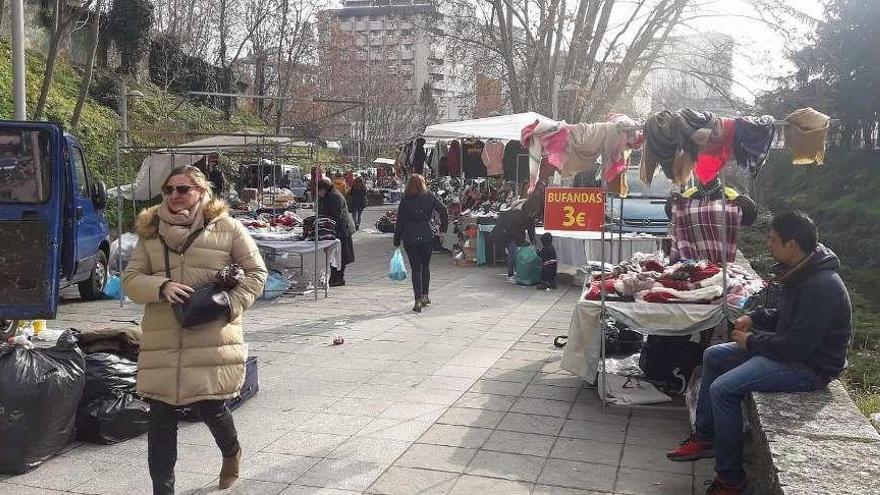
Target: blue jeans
(729, 373)
(357, 213)
(511, 258)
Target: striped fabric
(697, 230)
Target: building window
(406, 32)
(408, 47)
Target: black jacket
(358, 198)
(813, 321)
(414, 219)
(513, 225)
(333, 205)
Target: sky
(760, 53)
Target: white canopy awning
(504, 127)
(384, 161)
(156, 167)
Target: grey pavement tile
(518, 365)
(592, 451)
(413, 410)
(306, 444)
(398, 379)
(448, 383)
(550, 392)
(528, 423)
(247, 487)
(705, 468)
(353, 406)
(498, 388)
(644, 482)
(545, 407)
(581, 475)
(533, 356)
(654, 437)
(468, 485)
(653, 458)
(135, 480)
(315, 490)
(276, 468)
(62, 473)
(552, 366)
(558, 380)
(367, 449)
(335, 424)
(7, 489)
(436, 457)
(431, 396)
(485, 401)
(463, 416)
(558, 490)
(534, 346)
(506, 375)
(593, 430)
(456, 436)
(342, 474)
(396, 429)
(520, 443)
(461, 371)
(514, 467)
(584, 411)
(409, 481)
(133, 451)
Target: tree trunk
(282, 80)
(51, 57)
(90, 67)
(2, 5)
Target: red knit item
(659, 297)
(675, 284)
(701, 274)
(595, 292)
(653, 266)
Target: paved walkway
(467, 397)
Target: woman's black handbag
(208, 303)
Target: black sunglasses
(168, 190)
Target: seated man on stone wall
(798, 346)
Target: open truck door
(32, 178)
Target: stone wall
(813, 443)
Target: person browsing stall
(333, 205)
(413, 229)
(799, 346)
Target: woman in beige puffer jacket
(202, 366)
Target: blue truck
(53, 232)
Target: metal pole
(18, 65)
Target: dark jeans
(357, 214)
(419, 254)
(511, 258)
(729, 373)
(162, 438)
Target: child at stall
(548, 262)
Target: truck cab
(53, 232)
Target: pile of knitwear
(690, 282)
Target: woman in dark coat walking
(358, 195)
(332, 205)
(413, 228)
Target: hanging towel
(717, 151)
(697, 230)
(541, 137)
(695, 130)
(752, 141)
(805, 136)
(661, 145)
(493, 157)
(617, 141)
(585, 143)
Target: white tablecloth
(584, 347)
(332, 249)
(574, 248)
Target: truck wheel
(92, 288)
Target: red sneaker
(692, 449)
(721, 487)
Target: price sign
(568, 208)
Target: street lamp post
(18, 65)
(124, 94)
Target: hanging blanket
(698, 230)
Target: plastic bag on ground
(110, 411)
(397, 271)
(40, 390)
(276, 285)
(528, 266)
(128, 241)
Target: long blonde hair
(416, 186)
(195, 175)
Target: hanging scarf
(176, 228)
(752, 141)
(661, 144)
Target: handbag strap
(186, 245)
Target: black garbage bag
(39, 393)
(112, 419)
(111, 411)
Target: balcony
(407, 55)
(376, 26)
(360, 26)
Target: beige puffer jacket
(178, 366)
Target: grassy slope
(843, 196)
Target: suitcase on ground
(249, 389)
